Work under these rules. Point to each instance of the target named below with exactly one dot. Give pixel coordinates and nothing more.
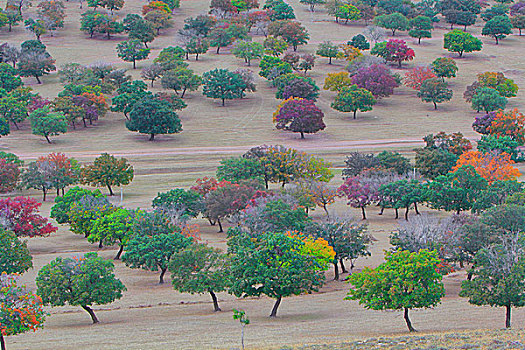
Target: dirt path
(318, 146)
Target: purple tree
(360, 192)
(376, 79)
(482, 123)
(299, 115)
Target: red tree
(299, 115)
(9, 175)
(376, 79)
(416, 76)
(21, 216)
(394, 50)
(359, 192)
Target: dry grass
(150, 316)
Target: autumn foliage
(490, 166)
(510, 123)
(416, 76)
(9, 175)
(20, 215)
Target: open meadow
(153, 316)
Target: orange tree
(20, 309)
(510, 123)
(490, 166)
(107, 171)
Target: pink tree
(395, 50)
(21, 216)
(359, 192)
(376, 79)
(299, 115)
(416, 76)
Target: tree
(393, 22)
(279, 10)
(84, 212)
(405, 281)
(37, 27)
(223, 84)
(240, 168)
(394, 161)
(274, 46)
(498, 28)
(402, 194)
(353, 98)
(154, 252)
(511, 123)
(15, 257)
(20, 310)
(460, 42)
(328, 49)
(294, 85)
(35, 64)
(359, 42)
(456, 191)
(13, 109)
(499, 277)
(494, 11)
(349, 241)
(52, 14)
(299, 115)
(377, 79)
(421, 28)
(416, 76)
(153, 116)
(434, 90)
(115, 227)
(444, 67)
(200, 269)
(60, 210)
(197, 46)
(359, 191)
(188, 203)
(348, 12)
(107, 171)
(181, 79)
(220, 37)
(139, 29)
(488, 100)
(432, 162)
(490, 166)
(9, 175)
(393, 51)
(518, 22)
(291, 32)
(312, 3)
(47, 123)
(337, 81)
(158, 20)
(82, 281)
(9, 79)
(272, 265)
(132, 51)
(247, 50)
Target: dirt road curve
(318, 146)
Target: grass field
(150, 316)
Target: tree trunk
(435, 105)
(196, 57)
(162, 272)
(507, 316)
(16, 125)
(407, 320)
(110, 191)
(406, 212)
(100, 245)
(381, 211)
(119, 253)
(363, 212)
(215, 302)
(419, 41)
(44, 192)
(336, 271)
(91, 313)
(329, 60)
(415, 208)
(2, 341)
(146, 44)
(397, 213)
(302, 135)
(223, 102)
(183, 92)
(393, 32)
(496, 40)
(355, 113)
(38, 79)
(218, 48)
(326, 210)
(275, 307)
(134, 64)
(220, 226)
(343, 267)
(152, 137)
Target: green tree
(273, 265)
(444, 67)
(9, 79)
(353, 98)
(223, 84)
(83, 281)
(239, 169)
(197, 46)
(247, 50)
(188, 202)
(37, 27)
(455, 191)
(499, 277)
(181, 80)
(394, 22)
(498, 28)
(200, 269)
(405, 281)
(488, 100)
(153, 116)
(13, 109)
(141, 30)
(60, 210)
(518, 22)
(460, 42)
(359, 42)
(434, 90)
(154, 252)
(15, 257)
(421, 28)
(47, 123)
(220, 37)
(274, 46)
(327, 49)
(114, 228)
(35, 64)
(132, 51)
(107, 171)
